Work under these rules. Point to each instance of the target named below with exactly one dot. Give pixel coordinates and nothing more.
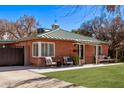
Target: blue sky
(46, 14)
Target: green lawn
(99, 77)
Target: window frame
(39, 48)
(33, 49)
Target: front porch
(88, 53)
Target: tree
(23, 27)
(100, 28)
(82, 32)
(108, 27)
(110, 31)
(76, 31)
(6, 27)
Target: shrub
(76, 60)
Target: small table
(59, 62)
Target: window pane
(42, 49)
(35, 49)
(46, 49)
(51, 50)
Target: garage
(11, 56)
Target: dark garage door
(11, 56)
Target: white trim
(79, 51)
(39, 49)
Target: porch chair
(49, 62)
(105, 59)
(68, 60)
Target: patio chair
(105, 59)
(68, 60)
(49, 62)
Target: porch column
(79, 50)
(84, 52)
(96, 54)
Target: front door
(81, 52)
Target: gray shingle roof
(65, 35)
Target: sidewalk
(53, 69)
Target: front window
(45, 49)
(35, 49)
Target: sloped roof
(66, 35)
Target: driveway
(14, 77)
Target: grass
(99, 77)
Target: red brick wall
(90, 50)
(62, 48)
(89, 54)
(105, 48)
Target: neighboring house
(59, 43)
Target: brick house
(58, 43)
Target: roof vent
(55, 26)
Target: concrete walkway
(54, 69)
(27, 79)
